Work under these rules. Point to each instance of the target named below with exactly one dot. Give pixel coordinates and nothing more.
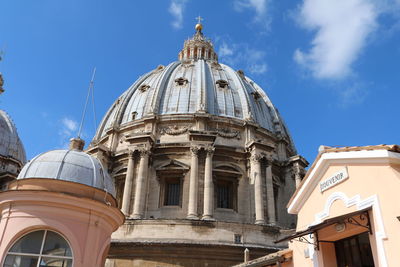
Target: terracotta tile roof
(273, 258)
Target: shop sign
(335, 179)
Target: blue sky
(330, 67)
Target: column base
(260, 222)
(207, 218)
(135, 216)
(192, 217)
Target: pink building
(60, 211)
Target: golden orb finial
(199, 26)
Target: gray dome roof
(10, 144)
(69, 165)
(188, 88)
(196, 83)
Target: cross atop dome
(199, 19)
(199, 26)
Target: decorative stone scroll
(227, 133)
(174, 130)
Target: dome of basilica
(197, 83)
(202, 162)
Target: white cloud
(260, 7)
(258, 68)
(69, 124)
(176, 9)
(67, 130)
(242, 56)
(342, 29)
(225, 50)
(353, 94)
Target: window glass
(52, 262)
(56, 245)
(23, 261)
(172, 194)
(40, 249)
(31, 243)
(224, 194)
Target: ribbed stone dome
(196, 83)
(69, 165)
(10, 144)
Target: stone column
(126, 198)
(258, 188)
(140, 191)
(191, 53)
(208, 209)
(270, 194)
(297, 177)
(193, 183)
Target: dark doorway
(354, 251)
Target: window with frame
(40, 249)
(225, 187)
(172, 192)
(224, 195)
(170, 177)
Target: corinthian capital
(130, 153)
(195, 150)
(144, 152)
(256, 157)
(209, 150)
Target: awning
(362, 220)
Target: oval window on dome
(40, 249)
(222, 83)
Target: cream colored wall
(365, 180)
(299, 258)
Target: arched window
(40, 249)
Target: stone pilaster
(297, 173)
(258, 188)
(140, 191)
(126, 198)
(208, 209)
(270, 194)
(193, 183)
